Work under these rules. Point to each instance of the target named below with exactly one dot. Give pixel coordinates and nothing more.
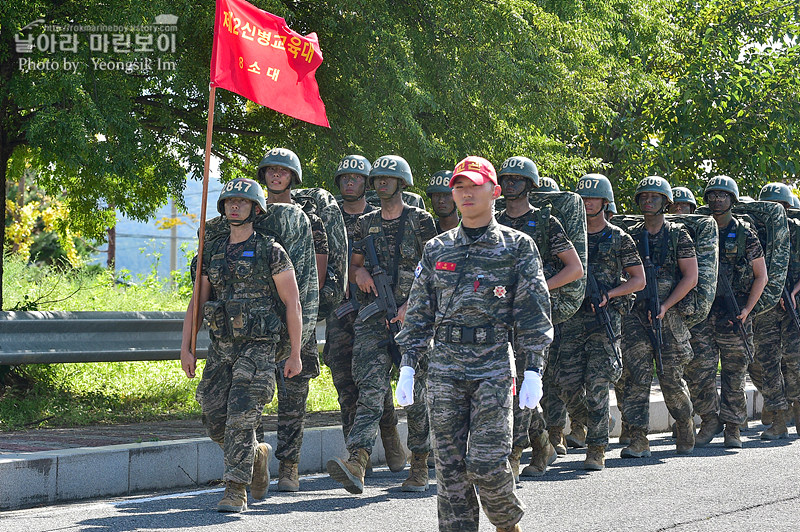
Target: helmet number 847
(237, 185)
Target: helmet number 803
(354, 164)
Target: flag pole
(202, 233)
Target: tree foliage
(629, 88)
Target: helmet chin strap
(276, 192)
(523, 192)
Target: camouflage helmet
(723, 183)
(352, 164)
(392, 166)
(655, 184)
(595, 186)
(242, 187)
(776, 192)
(285, 158)
(683, 195)
(612, 208)
(548, 184)
(520, 166)
(440, 182)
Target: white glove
(405, 386)
(530, 392)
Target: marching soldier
(478, 286)
(668, 249)
(245, 280)
(399, 233)
(441, 197)
(717, 339)
(351, 179)
(683, 201)
(588, 357)
(280, 171)
(562, 265)
(776, 338)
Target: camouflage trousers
(478, 412)
(238, 381)
(528, 424)
(371, 373)
(587, 364)
(554, 409)
(637, 368)
(714, 341)
(338, 356)
(292, 404)
(771, 331)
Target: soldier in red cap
(481, 298)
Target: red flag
(256, 55)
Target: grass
(69, 395)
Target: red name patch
(448, 266)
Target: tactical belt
(456, 334)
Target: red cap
(477, 169)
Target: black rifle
(787, 302)
(384, 302)
(350, 305)
(601, 313)
(653, 304)
(732, 306)
(282, 392)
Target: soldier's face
(719, 201)
(651, 202)
(385, 186)
(237, 209)
(443, 203)
(513, 185)
(593, 206)
(681, 208)
(474, 200)
(277, 177)
(352, 186)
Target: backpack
(695, 307)
(290, 227)
(323, 204)
(768, 219)
(567, 207)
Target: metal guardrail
(57, 337)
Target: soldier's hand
(401, 313)
(783, 304)
(743, 315)
(365, 282)
(293, 367)
(405, 386)
(188, 363)
(603, 302)
(531, 391)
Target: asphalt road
(715, 489)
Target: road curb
(49, 477)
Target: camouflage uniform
(776, 368)
(550, 239)
(669, 245)
(371, 366)
(714, 341)
(586, 361)
(338, 354)
(239, 375)
(292, 399)
(495, 284)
